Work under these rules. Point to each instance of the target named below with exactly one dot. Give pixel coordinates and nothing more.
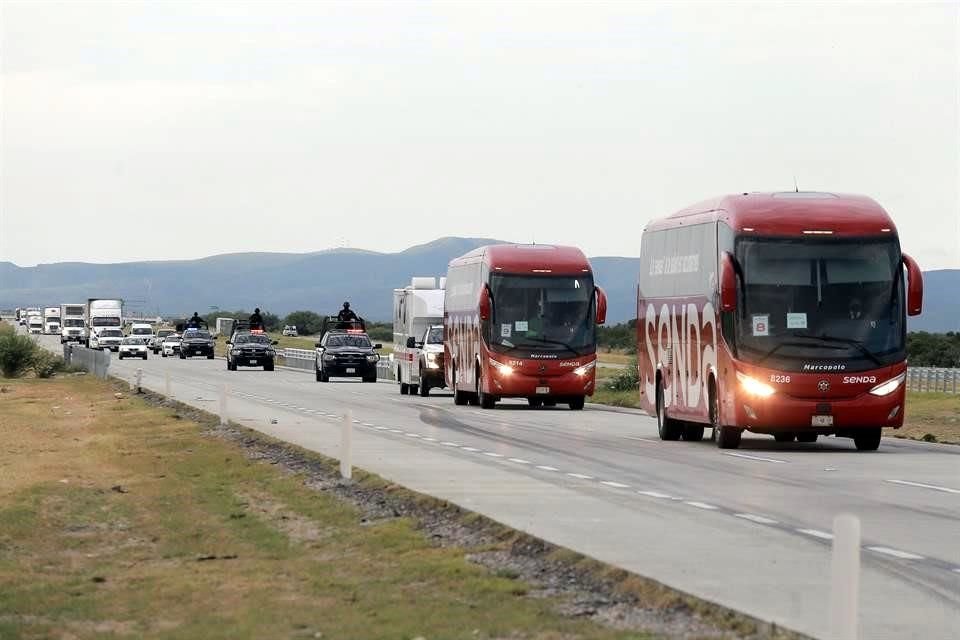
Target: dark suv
(347, 353)
(196, 342)
(250, 349)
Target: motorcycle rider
(256, 320)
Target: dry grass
(117, 518)
(934, 417)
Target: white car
(106, 339)
(290, 331)
(171, 345)
(132, 347)
(143, 331)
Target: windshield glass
(163, 333)
(197, 335)
(805, 302)
(435, 335)
(105, 322)
(72, 322)
(142, 331)
(362, 342)
(172, 339)
(251, 338)
(111, 333)
(132, 341)
(547, 313)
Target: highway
(747, 528)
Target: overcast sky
(176, 130)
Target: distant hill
(321, 281)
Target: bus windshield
(807, 302)
(545, 313)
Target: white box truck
(35, 321)
(51, 321)
(73, 322)
(104, 314)
(418, 317)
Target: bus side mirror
(485, 303)
(601, 306)
(728, 283)
(411, 343)
(914, 286)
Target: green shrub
(45, 364)
(627, 380)
(17, 353)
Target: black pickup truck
(345, 351)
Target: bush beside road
(121, 518)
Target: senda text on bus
(520, 322)
(777, 313)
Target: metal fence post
(845, 578)
(224, 419)
(166, 384)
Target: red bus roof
(528, 258)
(787, 213)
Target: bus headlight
(502, 369)
(754, 387)
(585, 369)
(888, 387)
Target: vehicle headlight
(754, 387)
(585, 369)
(888, 387)
(502, 369)
(234, 352)
(372, 357)
(329, 358)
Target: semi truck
(416, 308)
(34, 321)
(51, 321)
(775, 313)
(104, 313)
(73, 322)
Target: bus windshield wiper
(535, 342)
(848, 341)
(783, 344)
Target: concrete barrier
(95, 361)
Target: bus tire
(459, 397)
(667, 428)
(693, 432)
(784, 436)
(807, 437)
(867, 440)
(535, 403)
(576, 404)
(727, 437)
(485, 400)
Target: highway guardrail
(933, 379)
(94, 361)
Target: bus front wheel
(459, 397)
(867, 440)
(727, 437)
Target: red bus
(520, 322)
(777, 313)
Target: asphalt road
(748, 528)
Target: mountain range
(321, 281)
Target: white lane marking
(492, 455)
(749, 457)
(957, 570)
(367, 424)
(429, 439)
(412, 435)
(699, 505)
(519, 460)
(395, 431)
(580, 476)
(617, 485)
(640, 439)
(470, 449)
(381, 428)
(896, 553)
(823, 535)
(757, 519)
(450, 444)
(654, 494)
(924, 486)
(546, 468)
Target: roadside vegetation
(118, 518)
(20, 355)
(933, 417)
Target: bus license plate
(543, 389)
(351, 370)
(821, 421)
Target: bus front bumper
(519, 385)
(781, 412)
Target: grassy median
(117, 518)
